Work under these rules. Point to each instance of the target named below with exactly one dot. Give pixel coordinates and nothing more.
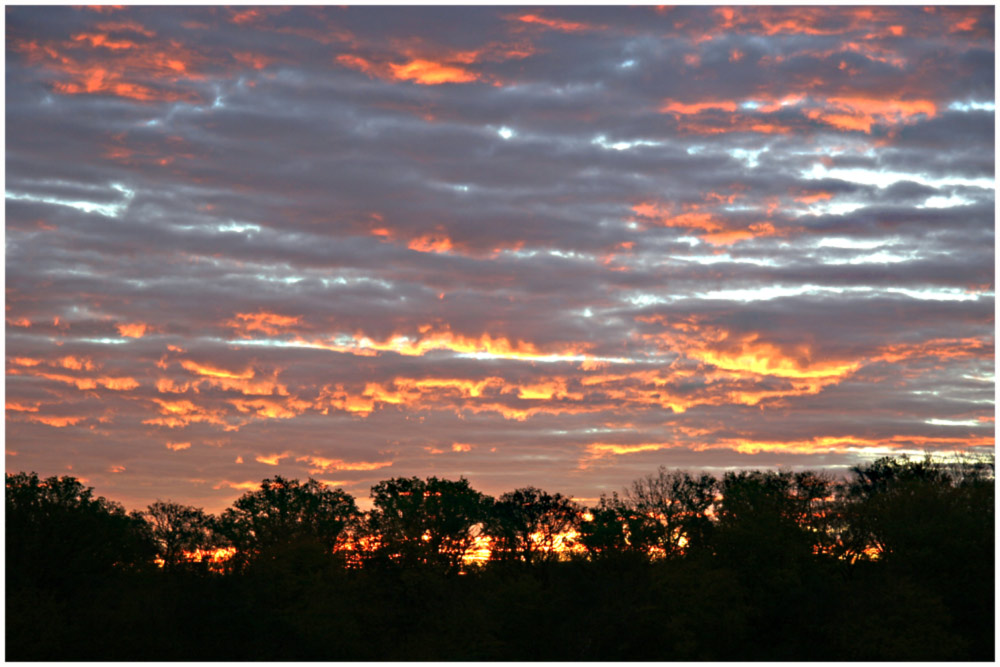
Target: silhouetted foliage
(432, 522)
(894, 563)
(928, 522)
(525, 525)
(766, 516)
(285, 519)
(178, 529)
(679, 504)
(615, 530)
(58, 534)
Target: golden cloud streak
(319, 464)
(487, 345)
(212, 371)
(133, 330)
(269, 323)
(600, 450)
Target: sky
(550, 246)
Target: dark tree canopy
(677, 505)
(769, 517)
(525, 524)
(178, 529)
(902, 509)
(284, 517)
(432, 522)
(58, 533)
(615, 529)
(893, 563)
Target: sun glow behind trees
(293, 555)
(443, 524)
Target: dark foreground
(559, 611)
(896, 564)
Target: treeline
(896, 562)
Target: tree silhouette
(767, 517)
(772, 579)
(525, 525)
(177, 529)
(614, 529)
(59, 534)
(899, 507)
(286, 519)
(432, 522)
(678, 505)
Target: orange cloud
(57, 422)
(813, 197)
(178, 446)
(178, 414)
(74, 363)
(362, 65)
(430, 73)
(212, 371)
(968, 23)
(437, 243)
(428, 340)
(680, 109)
(239, 486)
(133, 330)
(713, 230)
(253, 60)
(246, 16)
(461, 447)
(553, 24)
(849, 113)
(103, 63)
(747, 353)
(737, 383)
(829, 444)
(486, 395)
(125, 26)
(118, 384)
(600, 450)
(264, 408)
(432, 64)
(269, 323)
(860, 114)
(339, 399)
(14, 406)
(81, 383)
(104, 41)
(422, 70)
(272, 459)
(938, 348)
(318, 464)
(260, 387)
(547, 390)
(167, 386)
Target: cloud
(561, 246)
